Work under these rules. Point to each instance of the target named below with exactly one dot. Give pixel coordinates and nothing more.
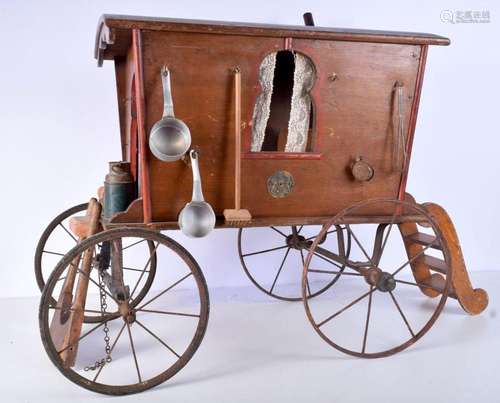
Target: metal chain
(107, 359)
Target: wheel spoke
(279, 270)
(412, 259)
(346, 307)
(133, 244)
(401, 313)
(110, 351)
(153, 252)
(164, 291)
(359, 244)
(367, 319)
(300, 229)
(264, 251)
(67, 232)
(132, 269)
(328, 260)
(98, 285)
(81, 337)
(53, 253)
(133, 352)
(334, 272)
(278, 231)
(418, 285)
(157, 338)
(327, 233)
(193, 315)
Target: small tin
(119, 188)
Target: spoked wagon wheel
(376, 307)
(273, 258)
(58, 231)
(148, 343)
(57, 239)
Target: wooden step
(438, 282)
(434, 263)
(424, 239)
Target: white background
(59, 121)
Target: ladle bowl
(197, 218)
(170, 138)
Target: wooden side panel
(354, 117)
(201, 69)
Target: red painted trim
(141, 111)
(413, 120)
(133, 149)
(133, 133)
(278, 155)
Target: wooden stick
(237, 140)
(237, 215)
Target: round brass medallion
(280, 184)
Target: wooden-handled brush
(237, 215)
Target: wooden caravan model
(302, 138)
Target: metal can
(119, 188)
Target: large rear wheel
(375, 309)
(147, 343)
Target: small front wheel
(273, 258)
(57, 239)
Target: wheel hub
(295, 241)
(126, 312)
(129, 317)
(386, 282)
(381, 280)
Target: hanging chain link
(107, 359)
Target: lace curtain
(262, 107)
(300, 110)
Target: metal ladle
(170, 137)
(197, 218)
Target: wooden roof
(114, 32)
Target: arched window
(283, 116)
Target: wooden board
(114, 32)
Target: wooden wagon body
(354, 113)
